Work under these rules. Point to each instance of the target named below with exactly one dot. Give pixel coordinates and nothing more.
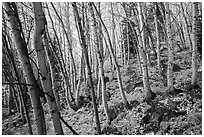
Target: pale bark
(170, 49)
(113, 36)
(79, 81)
(143, 57)
(21, 97)
(46, 81)
(69, 48)
(62, 67)
(114, 60)
(143, 29)
(187, 28)
(72, 63)
(84, 47)
(54, 71)
(195, 43)
(103, 84)
(34, 90)
(128, 45)
(136, 47)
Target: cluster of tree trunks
(48, 69)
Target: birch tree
(22, 98)
(186, 26)
(99, 55)
(61, 64)
(142, 53)
(114, 60)
(84, 47)
(35, 91)
(157, 37)
(170, 49)
(40, 22)
(195, 43)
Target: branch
(73, 131)
(19, 84)
(52, 99)
(29, 33)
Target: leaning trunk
(114, 61)
(84, 47)
(43, 66)
(100, 59)
(34, 90)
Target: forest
(101, 68)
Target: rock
(106, 79)
(145, 119)
(195, 118)
(175, 91)
(176, 68)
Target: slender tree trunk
(21, 97)
(128, 45)
(79, 80)
(195, 43)
(18, 103)
(143, 57)
(34, 90)
(84, 47)
(157, 38)
(62, 67)
(136, 47)
(104, 98)
(72, 63)
(114, 61)
(187, 29)
(54, 70)
(143, 30)
(170, 49)
(121, 45)
(11, 101)
(113, 37)
(69, 47)
(40, 22)
(124, 51)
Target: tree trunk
(11, 106)
(195, 43)
(40, 22)
(34, 90)
(143, 57)
(79, 81)
(62, 67)
(143, 30)
(21, 97)
(72, 63)
(100, 59)
(157, 38)
(170, 49)
(186, 25)
(114, 61)
(84, 47)
(128, 45)
(69, 49)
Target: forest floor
(176, 113)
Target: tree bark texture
(195, 43)
(34, 90)
(84, 47)
(170, 49)
(40, 22)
